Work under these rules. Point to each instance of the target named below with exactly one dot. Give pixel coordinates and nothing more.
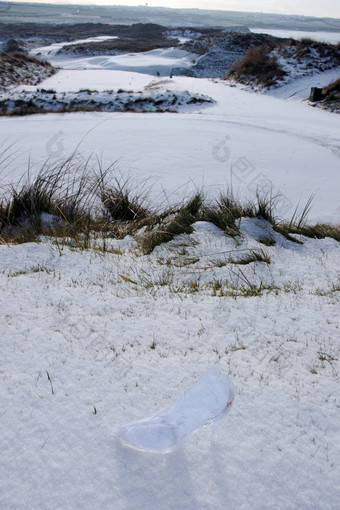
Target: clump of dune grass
(253, 256)
(318, 231)
(258, 66)
(333, 87)
(76, 198)
(261, 66)
(60, 196)
(331, 97)
(264, 206)
(175, 222)
(246, 257)
(225, 212)
(124, 200)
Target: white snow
(98, 79)
(330, 37)
(84, 351)
(91, 341)
(52, 49)
(149, 62)
(252, 140)
(299, 88)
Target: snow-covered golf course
(249, 140)
(92, 340)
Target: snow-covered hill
(218, 52)
(250, 139)
(275, 65)
(17, 69)
(97, 332)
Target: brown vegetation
(257, 67)
(332, 87)
(331, 94)
(75, 31)
(117, 46)
(19, 68)
(75, 198)
(238, 42)
(305, 47)
(260, 66)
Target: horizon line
(65, 2)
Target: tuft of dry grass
(225, 212)
(257, 67)
(260, 65)
(253, 256)
(124, 200)
(318, 231)
(60, 197)
(332, 87)
(331, 95)
(166, 226)
(77, 199)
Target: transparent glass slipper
(205, 403)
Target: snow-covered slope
(218, 52)
(52, 49)
(92, 341)
(162, 61)
(274, 66)
(250, 140)
(299, 60)
(16, 69)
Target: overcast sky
(323, 8)
(319, 8)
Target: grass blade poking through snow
(173, 224)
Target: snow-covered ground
(162, 61)
(250, 140)
(299, 88)
(330, 37)
(91, 341)
(150, 62)
(52, 49)
(98, 79)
